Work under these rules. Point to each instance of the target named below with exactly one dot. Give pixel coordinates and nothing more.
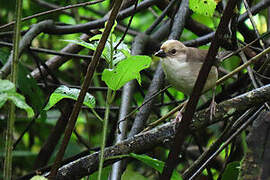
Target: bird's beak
(160, 53)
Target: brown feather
(196, 55)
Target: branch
(48, 51)
(25, 43)
(164, 133)
(257, 158)
(53, 11)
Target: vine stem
(109, 100)
(10, 124)
(104, 133)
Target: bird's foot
(177, 120)
(213, 107)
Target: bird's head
(171, 49)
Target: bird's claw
(212, 107)
(177, 120)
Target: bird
(182, 64)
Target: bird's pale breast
(182, 75)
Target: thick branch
(144, 141)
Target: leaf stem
(96, 114)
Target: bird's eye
(173, 51)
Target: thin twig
(161, 17)
(226, 143)
(145, 102)
(53, 11)
(127, 28)
(238, 69)
(48, 51)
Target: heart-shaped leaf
(125, 71)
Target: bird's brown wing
(197, 55)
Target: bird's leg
(213, 104)
(179, 115)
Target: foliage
(8, 92)
(231, 171)
(125, 71)
(70, 93)
(204, 7)
(155, 163)
(38, 178)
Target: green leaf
(155, 163)
(3, 99)
(70, 93)
(6, 86)
(38, 178)
(18, 100)
(82, 43)
(231, 171)
(204, 7)
(131, 174)
(29, 88)
(8, 92)
(3, 54)
(96, 37)
(93, 46)
(125, 71)
(113, 27)
(121, 53)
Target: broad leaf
(3, 99)
(4, 54)
(121, 53)
(6, 86)
(96, 37)
(204, 7)
(82, 43)
(38, 178)
(29, 88)
(231, 171)
(93, 46)
(18, 100)
(8, 92)
(125, 71)
(70, 93)
(155, 163)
